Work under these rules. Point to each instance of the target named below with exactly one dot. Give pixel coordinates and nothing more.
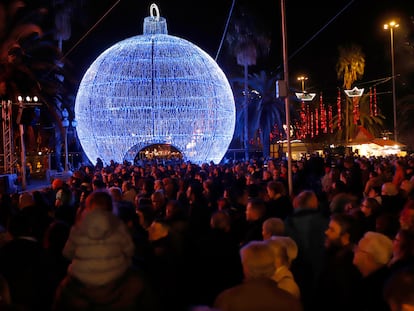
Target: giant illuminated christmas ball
(155, 89)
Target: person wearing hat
(285, 250)
(258, 291)
(57, 184)
(101, 274)
(371, 257)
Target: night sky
(315, 29)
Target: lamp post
(23, 102)
(287, 106)
(22, 147)
(65, 124)
(391, 26)
(74, 123)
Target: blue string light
(155, 89)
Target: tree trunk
(266, 144)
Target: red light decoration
(324, 123)
(303, 120)
(355, 110)
(311, 117)
(316, 121)
(330, 119)
(338, 104)
(308, 119)
(355, 94)
(371, 111)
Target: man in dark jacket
(339, 274)
(306, 227)
(255, 216)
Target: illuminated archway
(160, 152)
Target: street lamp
(391, 26)
(74, 123)
(65, 124)
(287, 106)
(302, 80)
(24, 102)
(305, 97)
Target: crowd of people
(181, 236)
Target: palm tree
(63, 12)
(267, 110)
(30, 64)
(246, 43)
(349, 68)
(14, 31)
(405, 119)
(405, 69)
(351, 65)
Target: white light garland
(155, 89)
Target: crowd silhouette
(180, 236)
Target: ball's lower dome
(155, 89)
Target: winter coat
(129, 292)
(100, 248)
(285, 280)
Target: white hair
(258, 260)
(285, 248)
(379, 246)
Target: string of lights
(155, 89)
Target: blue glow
(152, 89)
